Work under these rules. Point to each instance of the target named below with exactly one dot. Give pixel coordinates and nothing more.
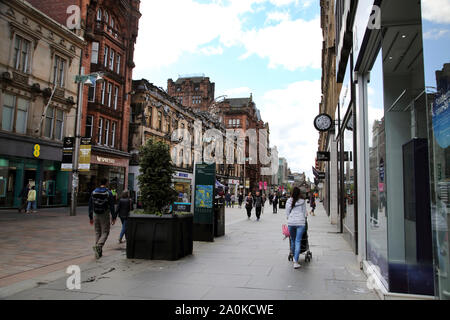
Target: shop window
(89, 126)
(59, 67)
(94, 55)
(21, 54)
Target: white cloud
(277, 16)
(290, 112)
(435, 34)
(166, 34)
(436, 10)
(290, 44)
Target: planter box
(167, 237)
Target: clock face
(323, 122)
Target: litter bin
(219, 218)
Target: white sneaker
(296, 265)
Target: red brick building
(193, 92)
(110, 29)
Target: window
(22, 115)
(111, 59)
(169, 123)
(103, 91)
(59, 128)
(9, 102)
(21, 54)
(105, 56)
(94, 55)
(99, 15)
(118, 64)
(58, 71)
(100, 131)
(113, 134)
(116, 96)
(91, 93)
(106, 16)
(109, 94)
(106, 132)
(159, 120)
(49, 118)
(112, 23)
(89, 124)
(180, 99)
(149, 117)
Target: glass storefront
(348, 200)
(51, 183)
(436, 52)
(184, 189)
(89, 180)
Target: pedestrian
(24, 198)
(240, 199)
(228, 199)
(123, 211)
(258, 205)
(101, 208)
(296, 216)
(270, 199)
(233, 200)
(249, 205)
(275, 203)
(31, 200)
(312, 203)
(264, 202)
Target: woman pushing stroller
(296, 216)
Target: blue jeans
(296, 233)
(31, 203)
(124, 228)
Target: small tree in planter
(155, 180)
(154, 234)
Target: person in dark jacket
(123, 211)
(249, 204)
(240, 199)
(258, 205)
(275, 203)
(101, 208)
(24, 196)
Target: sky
(269, 48)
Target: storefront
(19, 167)
(400, 152)
(114, 169)
(182, 182)
(233, 185)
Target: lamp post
(81, 79)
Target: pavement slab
(249, 262)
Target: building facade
(194, 92)
(392, 159)
(39, 58)
(110, 29)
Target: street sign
(323, 156)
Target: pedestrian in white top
(296, 216)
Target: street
(249, 262)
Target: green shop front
(33, 161)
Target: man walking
(101, 203)
(24, 197)
(258, 205)
(240, 199)
(275, 202)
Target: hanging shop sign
(265, 185)
(67, 158)
(441, 119)
(323, 122)
(84, 163)
(323, 156)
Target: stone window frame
(16, 96)
(17, 30)
(54, 121)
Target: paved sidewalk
(249, 262)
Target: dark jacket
(258, 201)
(249, 202)
(110, 203)
(124, 207)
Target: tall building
(110, 29)
(39, 59)
(195, 92)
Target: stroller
(304, 246)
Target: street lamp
(81, 79)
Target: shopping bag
(285, 231)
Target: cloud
(277, 16)
(435, 34)
(166, 34)
(291, 44)
(290, 112)
(436, 11)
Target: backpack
(100, 200)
